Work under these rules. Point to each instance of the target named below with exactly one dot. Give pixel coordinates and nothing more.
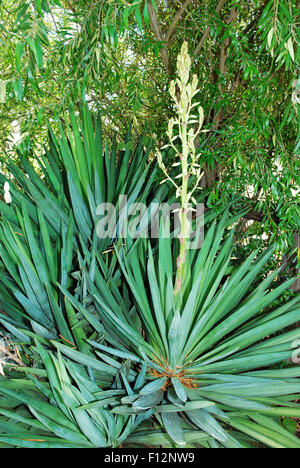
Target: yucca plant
(207, 342)
(206, 364)
(52, 218)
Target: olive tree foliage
(120, 56)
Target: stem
(183, 213)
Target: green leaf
(153, 386)
(146, 14)
(84, 359)
(172, 424)
(138, 17)
(148, 400)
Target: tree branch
(159, 37)
(206, 32)
(176, 19)
(222, 67)
(210, 175)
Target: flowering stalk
(186, 152)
